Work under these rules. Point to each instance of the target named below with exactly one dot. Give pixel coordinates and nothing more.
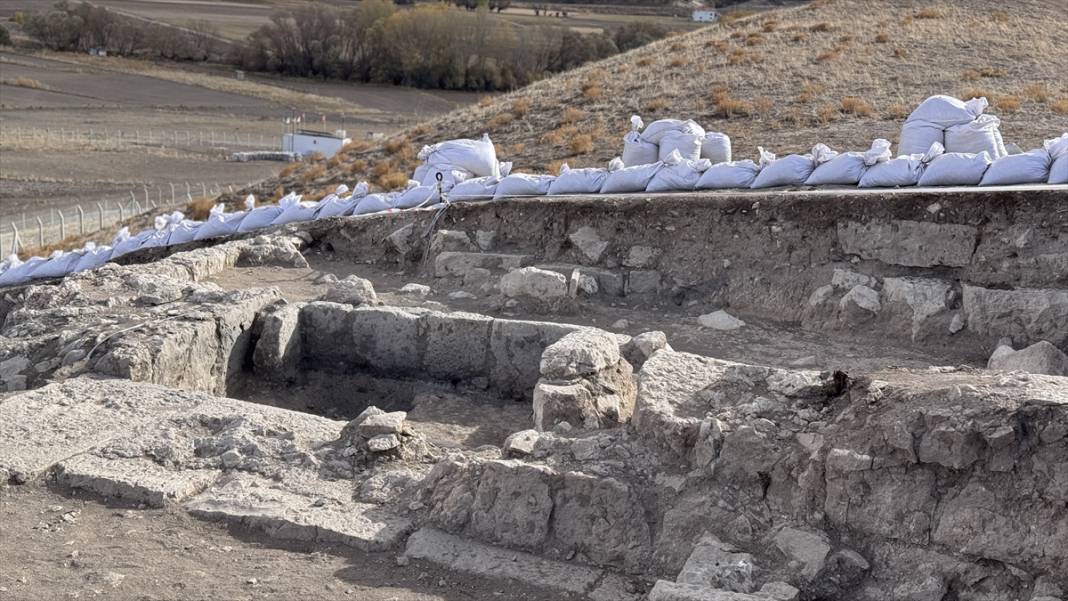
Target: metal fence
(204, 138)
(45, 226)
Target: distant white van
(705, 15)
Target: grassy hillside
(840, 72)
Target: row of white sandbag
(957, 125)
(873, 168)
(173, 229)
(647, 145)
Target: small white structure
(306, 141)
(705, 15)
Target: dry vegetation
(840, 72)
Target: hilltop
(841, 72)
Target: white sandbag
(294, 210)
(420, 172)
(902, 171)
(981, 135)
(374, 203)
(337, 206)
(637, 151)
(506, 168)
(58, 265)
(92, 256)
(476, 188)
(687, 144)
(656, 130)
(419, 196)
(629, 179)
(716, 147)
(161, 231)
(947, 111)
(19, 272)
(678, 174)
(261, 217)
(183, 232)
(1058, 152)
(124, 243)
(917, 137)
(790, 170)
(477, 156)
(578, 181)
(956, 169)
(522, 184)
(1025, 168)
(219, 223)
(450, 176)
(734, 174)
(848, 168)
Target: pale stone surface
(386, 339)
(807, 548)
(136, 480)
(718, 565)
(1039, 358)
(46, 425)
(844, 279)
(589, 243)
(925, 298)
(640, 257)
(413, 289)
(516, 347)
(381, 423)
(520, 444)
(665, 590)
(638, 350)
(720, 320)
(353, 290)
(457, 344)
(581, 353)
(278, 350)
(269, 506)
(534, 283)
(1027, 315)
(459, 264)
(860, 300)
(468, 556)
(909, 243)
(642, 281)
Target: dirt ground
(58, 547)
(760, 341)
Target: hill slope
(840, 72)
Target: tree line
(427, 45)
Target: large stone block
(924, 302)
(387, 340)
(326, 332)
(459, 264)
(457, 345)
(909, 243)
(516, 348)
(278, 351)
(1026, 315)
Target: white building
(305, 142)
(705, 15)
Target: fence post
(81, 220)
(159, 196)
(40, 233)
(100, 211)
(16, 242)
(172, 195)
(132, 198)
(122, 213)
(188, 193)
(62, 226)
(203, 189)
(136, 208)
(146, 195)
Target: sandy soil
(56, 547)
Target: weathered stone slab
(456, 345)
(278, 351)
(909, 243)
(665, 590)
(459, 264)
(46, 425)
(465, 555)
(133, 479)
(387, 339)
(326, 331)
(1026, 315)
(516, 348)
(319, 510)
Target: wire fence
(202, 138)
(37, 229)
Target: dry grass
(485, 101)
(581, 144)
(24, 82)
(200, 208)
(789, 101)
(593, 91)
(930, 13)
(1037, 92)
(857, 106)
(572, 115)
(313, 173)
(1007, 104)
(520, 108)
(500, 120)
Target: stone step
(609, 283)
(136, 480)
(461, 264)
(320, 511)
(465, 555)
(665, 590)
